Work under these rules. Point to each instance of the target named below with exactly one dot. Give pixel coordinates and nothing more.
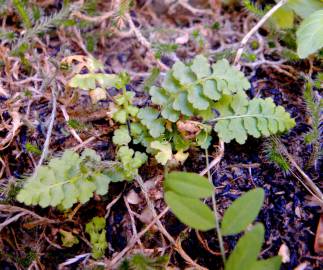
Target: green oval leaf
(247, 249)
(310, 34)
(190, 211)
(242, 212)
(269, 264)
(188, 184)
(305, 8)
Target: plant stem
(124, 92)
(255, 29)
(217, 224)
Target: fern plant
(182, 110)
(65, 181)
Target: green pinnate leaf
(240, 117)
(149, 118)
(196, 98)
(158, 95)
(85, 189)
(65, 181)
(164, 153)
(242, 212)
(83, 81)
(170, 84)
(203, 139)
(131, 161)
(309, 35)
(121, 136)
(190, 211)
(201, 67)
(247, 249)
(210, 90)
(107, 80)
(229, 79)
(101, 182)
(120, 116)
(181, 104)
(90, 80)
(148, 115)
(169, 113)
(132, 110)
(188, 184)
(183, 73)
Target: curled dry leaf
(15, 125)
(318, 246)
(302, 266)
(188, 129)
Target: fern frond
(240, 117)
(65, 181)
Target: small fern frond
(65, 181)
(96, 229)
(240, 117)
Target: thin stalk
(124, 92)
(256, 28)
(217, 224)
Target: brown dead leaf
(302, 266)
(16, 123)
(318, 246)
(188, 129)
